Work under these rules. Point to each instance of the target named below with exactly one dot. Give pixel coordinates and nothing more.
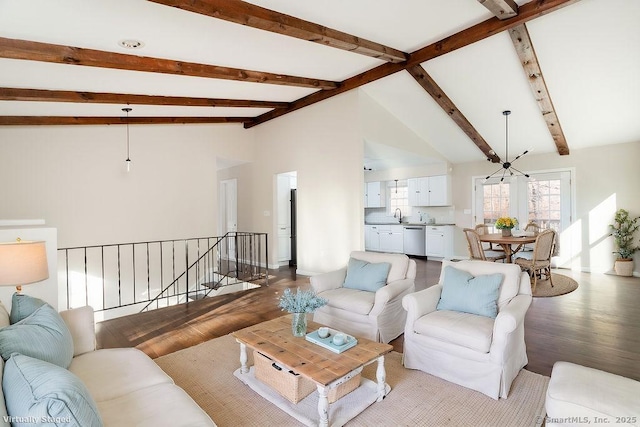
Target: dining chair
(531, 227)
(540, 262)
(477, 252)
(483, 229)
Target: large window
(545, 203)
(495, 201)
(544, 198)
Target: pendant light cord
(128, 160)
(507, 166)
(506, 136)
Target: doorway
(286, 212)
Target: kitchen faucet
(396, 212)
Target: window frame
(518, 194)
(405, 208)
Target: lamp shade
(22, 263)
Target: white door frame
(228, 211)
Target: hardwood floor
(597, 325)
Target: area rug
(561, 285)
(205, 372)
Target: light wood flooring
(597, 325)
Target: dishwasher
(414, 240)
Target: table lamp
(23, 262)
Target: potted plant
(505, 224)
(622, 230)
(300, 303)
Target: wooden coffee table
(326, 369)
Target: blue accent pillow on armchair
(366, 276)
(476, 295)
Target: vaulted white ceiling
(588, 53)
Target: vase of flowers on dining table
(506, 224)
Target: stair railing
(234, 254)
(124, 278)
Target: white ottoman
(578, 396)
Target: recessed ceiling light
(131, 44)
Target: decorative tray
(327, 342)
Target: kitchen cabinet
(439, 241)
(391, 239)
(429, 191)
(371, 238)
(374, 194)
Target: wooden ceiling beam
(438, 95)
(527, 54)
(463, 38)
(66, 120)
(58, 54)
(527, 12)
(243, 13)
(354, 82)
(41, 95)
(501, 9)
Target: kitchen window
(398, 197)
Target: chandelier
(507, 166)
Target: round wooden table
(507, 242)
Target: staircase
(127, 278)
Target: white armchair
(477, 352)
(378, 315)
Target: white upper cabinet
(418, 191)
(430, 191)
(439, 190)
(374, 194)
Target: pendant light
(128, 161)
(507, 166)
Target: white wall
(322, 143)
(378, 125)
(74, 177)
(606, 179)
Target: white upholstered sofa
(128, 388)
(477, 352)
(378, 315)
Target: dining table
(508, 242)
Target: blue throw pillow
(42, 335)
(23, 306)
(476, 295)
(366, 276)
(47, 394)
